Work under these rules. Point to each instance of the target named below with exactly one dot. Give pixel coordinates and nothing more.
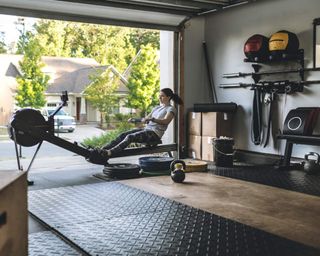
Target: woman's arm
(147, 118)
(166, 120)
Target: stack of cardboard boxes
(203, 128)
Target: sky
(8, 26)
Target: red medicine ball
(256, 48)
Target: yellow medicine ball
(284, 41)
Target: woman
(157, 123)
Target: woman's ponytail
(173, 96)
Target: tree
(144, 81)
(108, 45)
(140, 37)
(32, 83)
(100, 93)
(2, 43)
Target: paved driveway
(49, 152)
(82, 132)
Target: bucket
(223, 149)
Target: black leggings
(135, 135)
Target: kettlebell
(311, 166)
(177, 171)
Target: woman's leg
(139, 136)
(120, 138)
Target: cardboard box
(216, 124)
(194, 149)
(207, 151)
(14, 214)
(194, 123)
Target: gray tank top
(160, 112)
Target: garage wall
(195, 90)
(225, 33)
(166, 74)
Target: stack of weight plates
(155, 165)
(193, 165)
(122, 171)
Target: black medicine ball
(256, 48)
(283, 42)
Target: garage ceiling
(156, 14)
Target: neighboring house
(66, 74)
(8, 73)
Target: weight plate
(157, 173)
(195, 165)
(154, 163)
(122, 167)
(122, 171)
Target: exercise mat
(115, 219)
(294, 180)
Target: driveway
(49, 154)
(82, 132)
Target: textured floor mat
(77, 204)
(48, 244)
(114, 219)
(298, 181)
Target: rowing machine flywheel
(27, 117)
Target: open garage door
(165, 15)
(155, 14)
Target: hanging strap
(270, 103)
(256, 123)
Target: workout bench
(296, 139)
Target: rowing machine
(28, 128)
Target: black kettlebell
(311, 166)
(177, 171)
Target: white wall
(225, 33)
(166, 74)
(194, 71)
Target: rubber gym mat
(294, 180)
(48, 244)
(77, 204)
(129, 221)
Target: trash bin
(223, 151)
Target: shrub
(108, 136)
(121, 117)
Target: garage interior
(252, 208)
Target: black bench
(296, 139)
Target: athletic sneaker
(98, 156)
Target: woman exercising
(157, 123)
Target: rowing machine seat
(151, 144)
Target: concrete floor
(292, 215)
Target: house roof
(71, 74)
(78, 80)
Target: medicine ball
(256, 48)
(283, 43)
